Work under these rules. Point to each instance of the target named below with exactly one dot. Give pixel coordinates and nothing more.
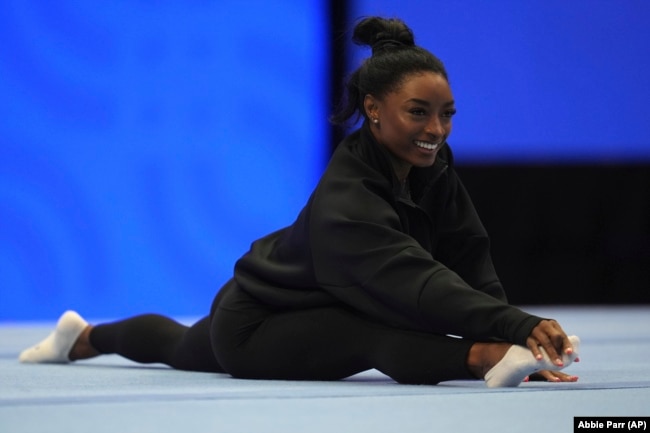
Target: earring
(375, 121)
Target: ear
(371, 106)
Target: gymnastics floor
(109, 394)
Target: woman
(386, 266)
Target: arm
(464, 244)
(362, 257)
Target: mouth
(427, 145)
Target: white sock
(519, 362)
(56, 347)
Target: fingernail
(576, 360)
(526, 379)
(559, 362)
(569, 351)
(539, 357)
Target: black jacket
(420, 262)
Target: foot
(68, 341)
(483, 356)
(518, 362)
(82, 349)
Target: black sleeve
(464, 245)
(362, 257)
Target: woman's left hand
(551, 376)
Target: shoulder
(360, 157)
(354, 186)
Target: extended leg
(153, 338)
(328, 344)
(147, 339)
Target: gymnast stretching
(387, 266)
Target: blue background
(538, 81)
(145, 144)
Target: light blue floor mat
(109, 394)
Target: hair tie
(385, 43)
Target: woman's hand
(551, 376)
(549, 335)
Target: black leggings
(245, 339)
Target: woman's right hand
(549, 335)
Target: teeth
(425, 145)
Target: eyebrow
(423, 102)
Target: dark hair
(394, 57)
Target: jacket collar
(420, 178)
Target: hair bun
(381, 33)
(395, 57)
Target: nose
(435, 128)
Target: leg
(153, 338)
(256, 342)
(146, 339)
(330, 343)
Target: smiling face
(413, 121)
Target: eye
(449, 113)
(418, 112)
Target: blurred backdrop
(145, 144)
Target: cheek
(402, 128)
